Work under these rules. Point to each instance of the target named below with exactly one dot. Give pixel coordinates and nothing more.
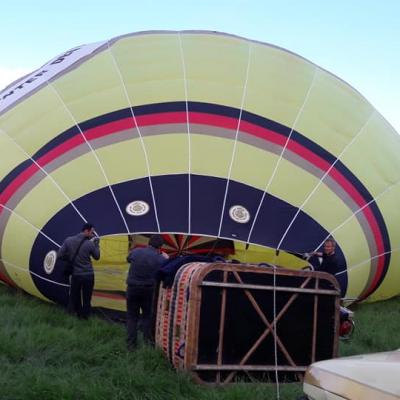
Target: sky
(357, 40)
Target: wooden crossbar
(278, 288)
(235, 367)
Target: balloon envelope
(201, 134)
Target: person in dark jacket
(144, 266)
(329, 260)
(81, 248)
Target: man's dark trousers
(81, 294)
(139, 297)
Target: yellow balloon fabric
(195, 133)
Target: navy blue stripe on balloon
(206, 208)
(206, 204)
(127, 192)
(106, 118)
(176, 187)
(148, 109)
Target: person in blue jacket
(144, 266)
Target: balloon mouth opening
(176, 245)
(115, 248)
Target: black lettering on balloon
(63, 56)
(21, 85)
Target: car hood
(369, 376)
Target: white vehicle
(364, 377)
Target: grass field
(46, 354)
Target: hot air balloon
(200, 134)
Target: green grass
(377, 327)
(46, 354)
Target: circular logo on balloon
(50, 261)
(239, 214)
(137, 208)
